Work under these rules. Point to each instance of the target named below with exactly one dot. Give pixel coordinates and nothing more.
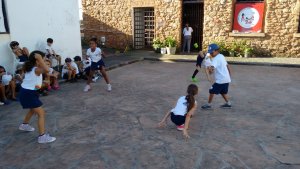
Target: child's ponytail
(191, 92)
(28, 65)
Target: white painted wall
(31, 22)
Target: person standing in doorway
(187, 34)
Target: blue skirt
(29, 99)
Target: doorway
(193, 13)
(143, 27)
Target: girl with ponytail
(184, 109)
(29, 97)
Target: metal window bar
(143, 27)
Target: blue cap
(212, 47)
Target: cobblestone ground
(117, 130)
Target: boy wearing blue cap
(221, 70)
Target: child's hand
(38, 56)
(185, 134)
(201, 54)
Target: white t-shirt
(221, 71)
(181, 107)
(32, 81)
(49, 50)
(207, 61)
(96, 55)
(65, 69)
(187, 32)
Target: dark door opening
(193, 13)
(143, 27)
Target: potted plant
(248, 51)
(157, 45)
(170, 45)
(163, 49)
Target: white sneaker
(46, 138)
(109, 87)
(26, 127)
(95, 79)
(1, 103)
(87, 88)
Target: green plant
(170, 42)
(157, 44)
(248, 50)
(223, 47)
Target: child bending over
(184, 109)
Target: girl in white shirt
(184, 109)
(95, 54)
(29, 97)
(187, 34)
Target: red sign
(248, 17)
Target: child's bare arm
(229, 69)
(163, 121)
(208, 76)
(43, 68)
(187, 121)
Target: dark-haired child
(52, 77)
(21, 53)
(184, 109)
(9, 83)
(200, 59)
(50, 53)
(96, 54)
(69, 70)
(29, 98)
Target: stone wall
(280, 26)
(113, 19)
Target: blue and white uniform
(29, 97)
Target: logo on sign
(248, 17)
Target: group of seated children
(22, 54)
(71, 71)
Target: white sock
(229, 103)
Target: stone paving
(117, 130)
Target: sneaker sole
(225, 107)
(206, 108)
(179, 129)
(26, 130)
(47, 142)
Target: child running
(29, 98)
(207, 63)
(200, 59)
(95, 54)
(184, 109)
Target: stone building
(272, 25)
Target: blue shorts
(177, 119)
(29, 99)
(97, 65)
(219, 88)
(23, 58)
